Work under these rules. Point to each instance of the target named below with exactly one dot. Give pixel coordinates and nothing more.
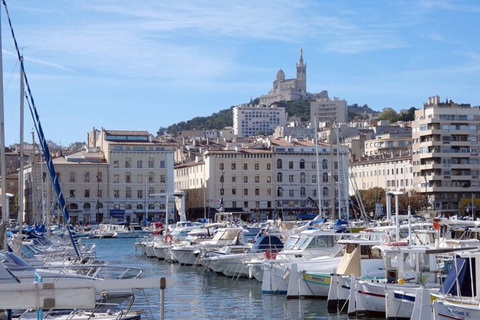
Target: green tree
(389, 114)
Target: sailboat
(32, 292)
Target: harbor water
(197, 294)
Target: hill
(224, 118)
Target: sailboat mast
(3, 170)
(20, 176)
(317, 159)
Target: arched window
(302, 177)
(325, 177)
(280, 192)
(279, 177)
(324, 164)
(279, 164)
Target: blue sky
(140, 65)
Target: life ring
(168, 238)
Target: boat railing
(101, 271)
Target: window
(115, 163)
(128, 192)
(87, 177)
(245, 192)
(139, 163)
(245, 166)
(324, 164)
(302, 164)
(116, 194)
(280, 192)
(72, 193)
(72, 176)
(128, 163)
(279, 164)
(151, 163)
(325, 177)
(257, 166)
(140, 194)
(245, 179)
(86, 194)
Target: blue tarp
(462, 273)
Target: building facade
(251, 121)
(324, 109)
(445, 156)
(278, 179)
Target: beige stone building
(138, 166)
(386, 172)
(270, 178)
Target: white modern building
(251, 121)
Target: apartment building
(138, 166)
(278, 178)
(392, 173)
(83, 180)
(254, 120)
(445, 156)
(326, 110)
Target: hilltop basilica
(291, 89)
